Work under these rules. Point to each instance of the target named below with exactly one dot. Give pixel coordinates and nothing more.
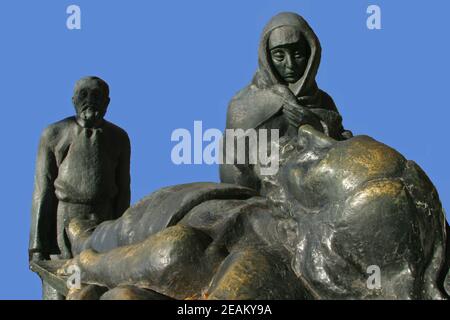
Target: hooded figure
(283, 94)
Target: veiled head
(289, 53)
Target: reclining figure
(334, 209)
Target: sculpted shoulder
(327, 101)
(251, 107)
(55, 131)
(118, 133)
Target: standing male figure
(82, 170)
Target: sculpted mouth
(291, 75)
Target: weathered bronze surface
(337, 205)
(82, 170)
(334, 209)
(283, 94)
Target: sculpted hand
(298, 115)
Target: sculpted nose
(289, 62)
(91, 99)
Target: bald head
(91, 100)
(90, 82)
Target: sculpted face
(91, 99)
(289, 53)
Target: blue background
(169, 63)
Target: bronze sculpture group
(337, 205)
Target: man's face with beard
(91, 99)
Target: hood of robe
(266, 95)
(266, 76)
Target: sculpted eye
(278, 55)
(83, 93)
(298, 54)
(95, 94)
